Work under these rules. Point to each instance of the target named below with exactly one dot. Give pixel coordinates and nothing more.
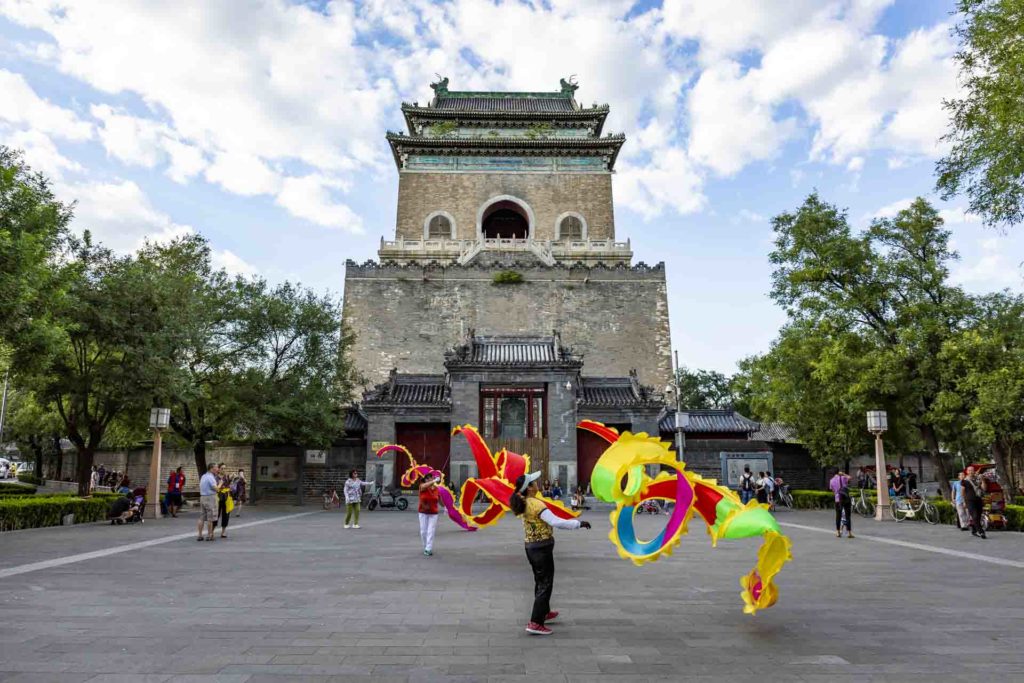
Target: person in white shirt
(208, 501)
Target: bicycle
(913, 506)
(784, 496)
(863, 506)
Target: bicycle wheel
(931, 513)
(787, 500)
(898, 511)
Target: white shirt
(549, 518)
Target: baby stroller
(128, 509)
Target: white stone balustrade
(463, 251)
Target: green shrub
(9, 487)
(1018, 500)
(31, 479)
(813, 500)
(508, 277)
(41, 511)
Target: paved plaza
(294, 596)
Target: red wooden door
(429, 443)
(589, 449)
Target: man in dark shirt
(974, 492)
(911, 480)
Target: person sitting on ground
(120, 510)
(556, 491)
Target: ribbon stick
(620, 477)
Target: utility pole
(3, 405)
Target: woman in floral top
(353, 498)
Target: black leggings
(848, 508)
(976, 508)
(225, 516)
(542, 560)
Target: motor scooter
(387, 500)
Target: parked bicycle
(913, 506)
(863, 506)
(783, 496)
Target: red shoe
(550, 617)
(538, 629)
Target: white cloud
(243, 174)
(988, 268)
(21, 105)
(890, 210)
(233, 263)
(310, 198)
(40, 152)
(119, 215)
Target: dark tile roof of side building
(616, 392)
(707, 421)
(511, 351)
(509, 103)
(776, 431)
(418, 390)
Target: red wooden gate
(589, 449)
(429, 443)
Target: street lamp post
(682, 418)
(159, 420)
(878, 423)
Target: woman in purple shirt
(840, 486)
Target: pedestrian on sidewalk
(225, 504)
(761, 489)
(746, 485)
(840, 486)
(353, 498)
(207, 501)
(238, 491)
(963, 519)
(428, 512)
(175, 485)
(540, 546)
(974, 498)
(94, 479)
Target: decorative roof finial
(569, 86)
(441, 87)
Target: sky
(261, 126)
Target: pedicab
(994, 515)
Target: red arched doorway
(506, 220)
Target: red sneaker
(538, 629)
(550, 617)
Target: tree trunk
(60, 464)
(85, 458)
(932, 442)
(1002, 471)
(199, 451)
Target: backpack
(745, 482)
(844, 492)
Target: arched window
(505, 219)
(571, 228)
(439, 227)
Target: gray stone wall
(405, 317)
(463, 194)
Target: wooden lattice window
(571, 228)
(439, 228)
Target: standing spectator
(175, 485)
(840, 486)
(862, 478)
(556, 491)
(428, 512)
(769, 483)
(225, 504)
(911, 481)
(102, 472)
(94, 479)
(974, 498)
(746, 485)
(760, 490)
(963, 519)
(208, 501)
(546, 491)
(353, 498)
(238, 491)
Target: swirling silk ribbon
(620, 477)
(496, 478)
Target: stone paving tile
(304, 600)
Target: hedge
(8, 487)
(31, 479)
(31, 513)
(813, 500)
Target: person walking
(540, 546)
(353, 498)
(94, 479)
(974, 498)
(963, 519)
(175, 485)
(207, 501)
(746, 485)
(428, 512)
(769, 484)
(840, 486)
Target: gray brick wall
(407, 316)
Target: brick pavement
(305, 600)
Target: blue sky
(264, 130)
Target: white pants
(428, 524)
(965, 518)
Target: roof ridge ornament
(441, 86)
(569, 86)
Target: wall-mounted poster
(275, 468)
(733, 464)
(316, 457)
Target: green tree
(889, 288)
(104, 356)
(704, 389)
(33, 224)
(986, 158)
(984, 381)
(36, 428)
